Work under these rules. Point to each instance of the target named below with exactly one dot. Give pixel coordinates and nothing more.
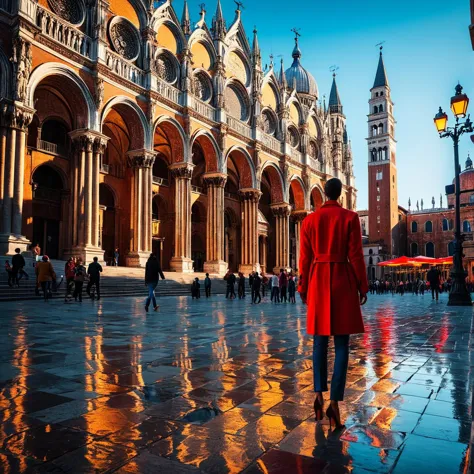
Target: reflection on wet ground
(218, 386)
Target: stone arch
(316, 131)
(54, 73)
(244, 164)
(138, 128)
(5, 76)
(269, 86)
(170, 69)
(202, 86)
(112, 191)
(298, 191)
(173, 140)
(159, 20)
(57, 169)
(245, 62)
(275, 180)
(317, 197)
(212, 153)
(200, 36)
(295, 116)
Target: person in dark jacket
(196, 289)
(18, 262)
(207, 285)
(94, 270)
(292, 289)
(434, 277)
(283, 282)
(241, 286)
(230, 279)
(153, 273)
(256, 285)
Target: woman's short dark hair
(333, 189)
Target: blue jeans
(151, 293)
(320, 365)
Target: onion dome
(299, 77)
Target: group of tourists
(76, 275)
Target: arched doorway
(231, 240)
(198, 230)
(316, 198)
(47, 210)
(107, 222)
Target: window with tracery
(235, 104)
(202, 87)
(293, 137)
(165, 68)
(269, 122)
(313, 150)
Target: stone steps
(115, 281)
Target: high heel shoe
(318, 409)
(333, 416)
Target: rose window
(72, 11)
(293, 137)
(124, 38)
(201, 87)
(165, 68)
(269, 123)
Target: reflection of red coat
(332, 270)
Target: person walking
(264, 284)
(153, 273)
(45, 275)
(292, 289)
(275, 282)
(116, 257)
(434, 277)
(333, 283)
(283, 283)
(69, 268)
(18, 262)
(94, 270)
(256, 284)
(195, 289)
(241, 286)
(230, 279)
(207, 285)
(8, 269)
(80, 274)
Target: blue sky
(427, 51)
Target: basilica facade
(124, 125)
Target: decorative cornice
(299, 215)
(281, 209)
(181, 170)
(15, 115)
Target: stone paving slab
(217, 386)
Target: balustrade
(239, 127)
(168, 91)
(296, 155)
(270, 142)
(198, 189)
(204, 109)
(104, 168)
(160, 181)
(125, 69)
(47, 194)
(61, 31)
(26, 8)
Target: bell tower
(382, 168)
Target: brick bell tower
(383, 185)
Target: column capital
(281, 209)
(15, 115)
(299, 216)
(84, 138)
(100, 144)
(181, 170)
(215, 179)
(141, 158)
(250, 194)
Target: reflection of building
(431, 231)
(123, 126)
(385, 221)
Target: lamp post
(459, 295)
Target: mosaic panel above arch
(237, 68)
(269, 98)
(312, 128)
(124, 38)
(167, 39)
(125, 9)
(73, 11)
(201, 56)
(294, 114)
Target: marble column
(282, 211)
(215, 262)
(14, 121)
(263, 255)
(84, 209)
(298, 217)
(249, 231)
(181, 261)
(141, 161)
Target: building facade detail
(125, 126)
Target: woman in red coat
(333, 283)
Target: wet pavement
(224, 386)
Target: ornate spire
(409, 203)
(218, 23)
(468, 162)
(256, 55)
(283, 76)
(381, 75)
(335, 105)
(186, 20)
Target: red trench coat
(332, 271)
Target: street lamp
(459, 295)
